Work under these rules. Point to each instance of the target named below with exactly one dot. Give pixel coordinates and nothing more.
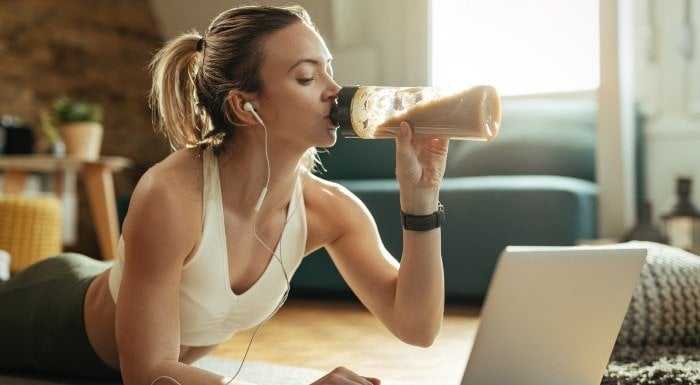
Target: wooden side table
(99, 184)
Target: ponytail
(173, 99)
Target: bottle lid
(341, 113)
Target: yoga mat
(259, 373)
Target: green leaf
(67, 110)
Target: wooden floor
(327, 334)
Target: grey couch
(533, 185)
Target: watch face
(441, 216)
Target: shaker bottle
(372, 112)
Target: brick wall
(94, 50)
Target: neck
(244, 173)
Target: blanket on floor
(659, 342)
(654, 365)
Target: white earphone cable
(268, 248)
(279, 305)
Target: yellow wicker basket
(30, 229)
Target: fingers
(420, 161)
(344, 376)
(403, 139)
(405, 131)
(437, 146)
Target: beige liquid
(472, 114)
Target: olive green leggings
(41, 319)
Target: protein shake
(370, 112)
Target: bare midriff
(99, 313)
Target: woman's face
(298, 88)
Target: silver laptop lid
(552, 315)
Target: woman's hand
(344, 376)
(420, 166)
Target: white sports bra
(210, 312)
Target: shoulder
(335, 208)
(324, 194)
(177, 177)
(181, 169)
(165, 207)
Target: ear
(235, 101)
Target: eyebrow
(308, 60)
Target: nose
(333, 90)
(336, 87)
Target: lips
(333, 113)
(333, 125)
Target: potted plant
(80, 125)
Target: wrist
(423, 222)
(419, 201)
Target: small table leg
(99, 185)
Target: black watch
(423, 222)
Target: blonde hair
(194, 74)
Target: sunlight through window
(518, 46)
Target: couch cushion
(353, 158)
(539, 135)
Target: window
(518, 46)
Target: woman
(244, 107)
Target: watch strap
(423, 222)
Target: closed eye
(306, 81)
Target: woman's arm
(161, 230)
(408, 299)
(420, 166)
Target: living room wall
(373, 42)
(94, 50)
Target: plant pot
(82, 139)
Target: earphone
(248, 106)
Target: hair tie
(201, 44)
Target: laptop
(552, 314)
